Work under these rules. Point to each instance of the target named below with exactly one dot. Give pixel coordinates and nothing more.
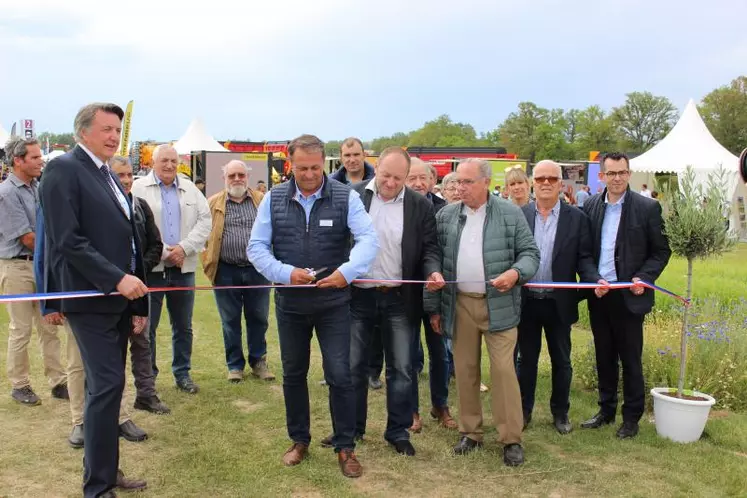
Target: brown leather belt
(384, 289)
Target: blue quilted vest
(323, 242)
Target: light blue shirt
(610, 226)
(171, 215)
(259, 249)
(544, 234)
(581, 197)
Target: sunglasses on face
(552, 180)
(236, 175)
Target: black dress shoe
(466, 445)
(152, 404)
(527, 420)
(513, 455)
(375, 383)
(627, 430)
(187, 385)
(132, 432)
(60, 392)
(130, 484)
(562, 424)
(76, 437)
(598, 421)
(403, 447)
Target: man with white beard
(225, 263)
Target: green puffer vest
(507, 243)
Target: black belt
(540, 295)
(27, 257)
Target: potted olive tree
(697, 229)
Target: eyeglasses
(616, 174)
(552, 180)
(236, 175)
(449, 189)
(465, 182)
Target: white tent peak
(197, 138)
(4, 136)
(688, 143)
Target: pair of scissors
(314, 272)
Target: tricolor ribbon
(11, 298)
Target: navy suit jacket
(87, 236)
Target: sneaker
(25, 396)
(261, 371)
(187, 385)
(60, 392)
(235, 376)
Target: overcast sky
(270, 70)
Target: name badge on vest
(325, 223)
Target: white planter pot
(680, 420)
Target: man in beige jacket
(225, 262)
(182, 215)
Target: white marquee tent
(690, 143)
(4, 136)
(196, 138)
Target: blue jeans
(439, 366)
(180, 305)
(255, 303)
(333, 333)
(368, 308)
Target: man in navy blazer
(90, 226)
(563, 237)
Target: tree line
(533, 132)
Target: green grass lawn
(228, 440)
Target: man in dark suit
(408, 249)
(562, 235)
(629, 244)
(90, 226)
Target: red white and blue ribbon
(12, 298)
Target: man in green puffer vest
(490, 250)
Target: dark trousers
(332, 327)
(142, 365)
(376, 359)
(438, 372)
(180, 305)
(368, 308)
(255, 304)
(618, 337)
(102, 340)
(538, 315)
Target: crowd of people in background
(342, 248)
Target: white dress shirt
(470, 267)
(388, 219)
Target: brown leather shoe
(129, 484)
(295, 454)
(444, 417)
(417, 423)
(349, 464)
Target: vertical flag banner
(126, 130)
(13, 130)
(28, 128)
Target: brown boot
(417, 423)
(295, 454)
(262, 371)
(444, 417)
(349, 464)
(129, 484)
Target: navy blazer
(571, 256)
(88, 235)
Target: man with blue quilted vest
(490, 250)
(301, 236)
